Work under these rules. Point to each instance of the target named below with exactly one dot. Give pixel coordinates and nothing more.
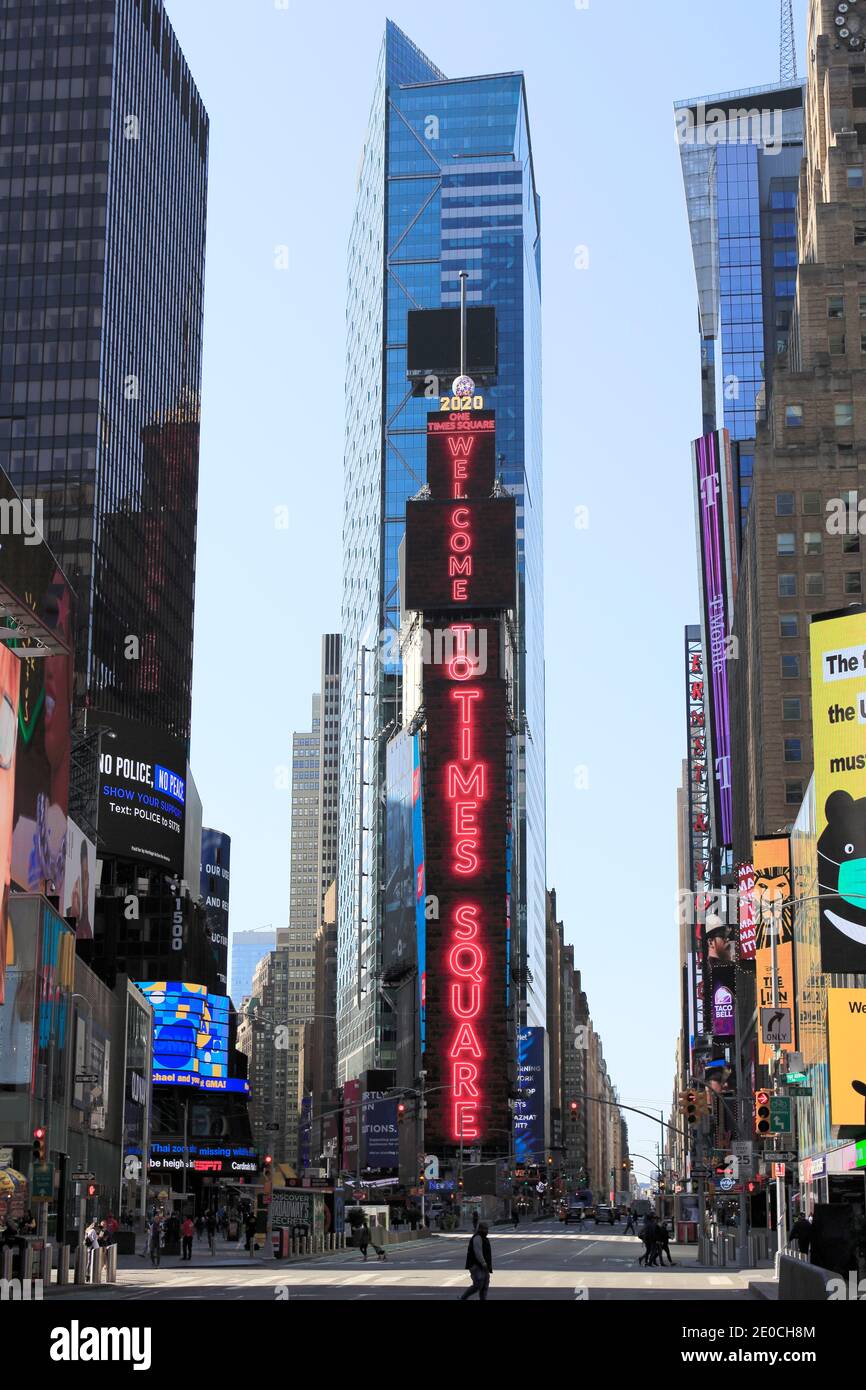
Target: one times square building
(103, 159)
(446, 185)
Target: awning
(12, 1182)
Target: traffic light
(39, 1144)
(689, 1106)
(269, 1158)
(762, 1112)
(574, 1107)
(401, 1110)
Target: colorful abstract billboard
(718, 524)
(190, 1037)
(773, 916)
(838, 652)
(846, 1027)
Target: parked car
(604, 1213)
(575, 1212)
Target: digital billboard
(142, 793)
(351, 1124)
(461, 454)
(43, 750)
(700, 867)
(773, 916)
(10, 668)
(214, 887)
(746, 911)
(433, 342)
(529, 1108)
(838, 661)
(399, 952)
(846, 1028)
(724, 995)
(718, 525)
(79, 883)
(466, 828)
(461, 556)
(379, 1132)
(190, 1036)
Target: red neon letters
(466, 790)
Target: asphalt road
(541, 1260)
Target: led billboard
(846, 1028)
(718, 523)
(838, 659)
(773, 916)
(79, 884)
(529, 1108)
(433, 343)
(190, 1036)
(466, 828)
(142, 793)
(399, 952)
(461, 454)
(461, 556)
(214, 887)
(724, 994)
(10, 668)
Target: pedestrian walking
(155, 1241)
(474, 1222)
(91, 1246)
(647, 1234)
(631, 1224)
(250, 1232)
(663, 1243)
(515, 1217)
(801, 1234)
(186, 1235)
(479, 1262)
(363, 1239)
(210, 1224)
(199, 1226)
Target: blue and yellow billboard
(190, 1037)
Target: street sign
(726, 1184)
(776, 1026)
(87, 1078)
(743, 1148)
(780, 1114)
(272, 1128)
(795, 1078)
(799, 1090)
(78, 1176)
(782, 1156)
(42, 1182)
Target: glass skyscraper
(741, 176)
(103, 182)
(446, 184)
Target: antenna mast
(787, 45)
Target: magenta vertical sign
(715, 500)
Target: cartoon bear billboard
(838, 658)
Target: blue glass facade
(741, 183)
(447, 184)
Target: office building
(802, 547)
(446, 185)
(248, 948)
(103, 154)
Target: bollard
(308, 1243)
(26, 1265)
(111, 1265)
(80, 1264)
(6, 1263)
(294, 1246)
(63, 1264)
(46, 1262)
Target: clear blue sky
(288, 92)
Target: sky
(288, 88)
